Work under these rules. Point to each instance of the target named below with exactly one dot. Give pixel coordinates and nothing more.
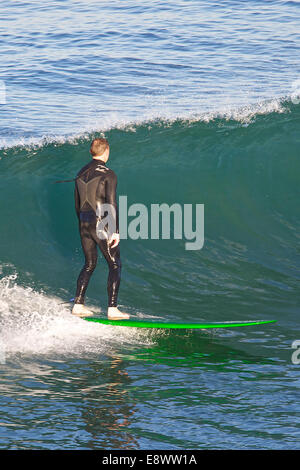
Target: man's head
(100, 149)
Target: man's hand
(114, 240)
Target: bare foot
(114, 313)
(81, 311)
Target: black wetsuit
(96, 184)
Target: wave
(244, 114)
(244, 171)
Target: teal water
(72, 384)
(205, 114)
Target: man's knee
(90, 265)
(115, 264)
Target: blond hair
(98, 147)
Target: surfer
(96, 184)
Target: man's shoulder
(97, 169)
(110, 173)
(84, 168)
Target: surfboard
(182, 326)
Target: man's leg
(90, 252)
(112, 256)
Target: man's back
(95, 184)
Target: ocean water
(200, 103)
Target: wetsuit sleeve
(77, 201)
(111, 195)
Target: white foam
(33, 322)
(240, 113)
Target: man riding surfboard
(95, 185)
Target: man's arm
(111, 198)
(77, 200)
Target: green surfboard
(182, 326)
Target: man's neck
(99, 159)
